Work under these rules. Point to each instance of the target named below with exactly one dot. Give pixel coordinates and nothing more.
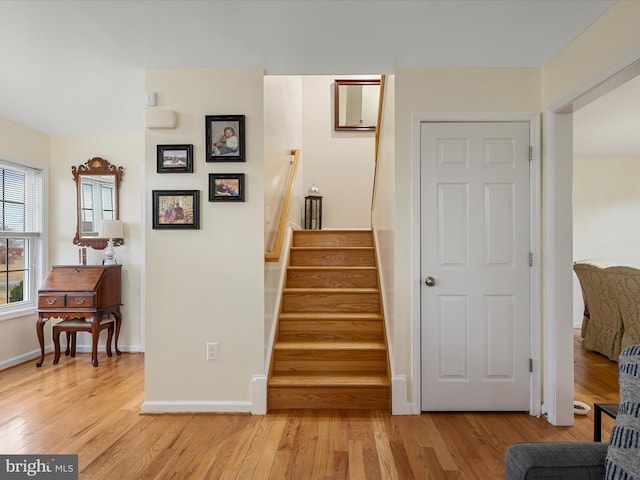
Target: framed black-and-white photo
(226, 187)
(176, 209)
(225, 138)
(175, 158)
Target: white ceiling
(77, 67)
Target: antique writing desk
(80, 291)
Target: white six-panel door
(475, 318)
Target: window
(20, 228)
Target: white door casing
(475, 243)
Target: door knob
(430, 281)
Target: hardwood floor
(94, 412)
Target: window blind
(20, 198)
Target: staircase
(330, 348)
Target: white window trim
(23, 308)
(38, 257)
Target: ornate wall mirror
(356, 104)
(97, 193)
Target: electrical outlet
(212, 350)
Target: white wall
(383, 217)
(340, 163)
(436, 90)
(606, 215)
(613, 37)
(612, 41)
(126, 151)
(18, 341)
(205, 285)
(282, 132)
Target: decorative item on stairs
(111, 229)
(313, 209)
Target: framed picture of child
(225, 138)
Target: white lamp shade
(111, 229)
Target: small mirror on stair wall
(356, 104)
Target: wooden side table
(610, 409)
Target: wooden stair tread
(329, 345)
(328, 380)
(331, 290)
(331, 247)
(345, 268)
(333, 231)
(329, 316)
(332, 238)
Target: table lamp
(110, 229)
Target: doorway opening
(559, 255)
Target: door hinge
(531, 365)
(530, 153)
(531, 259)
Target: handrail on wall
(274, 254)
(377, 144)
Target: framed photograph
(176, 209)
(225, 138)
(175, 158)
(226, 187)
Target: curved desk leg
(109, 338)
(56, 345)
(40, 331)
(67, 352)
(118, 316)
(95, 333)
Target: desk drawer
(52, 300)
(66, 300)
(81, 300)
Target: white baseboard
(187, 406)
(25, 357)
(259, 394)
(399, 403)
(101, 348)
(35, 354)
(257, 405)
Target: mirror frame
(96, 166)
(336, 103)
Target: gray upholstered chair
(617, 460)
